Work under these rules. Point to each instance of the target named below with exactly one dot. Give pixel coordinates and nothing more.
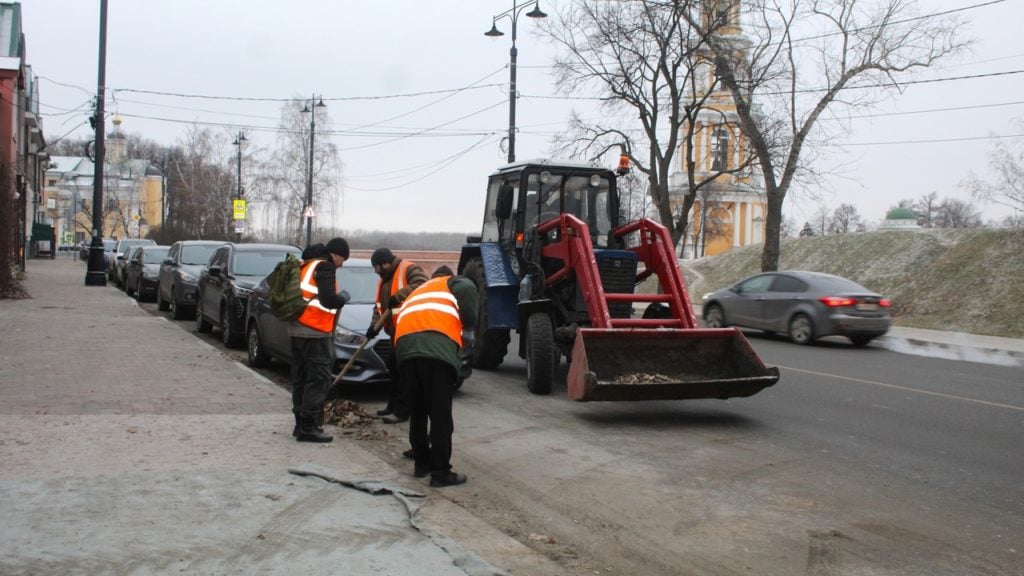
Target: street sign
(238, 209)
(308, 212)
(239, 226)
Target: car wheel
(161, 304)
(861, 341)
(229, 338)
(257, 357)
(202, 326)
(801, 329)
(176, 311)
(127, 288)
(714, 317)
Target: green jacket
(435, 344)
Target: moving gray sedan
(805, 305)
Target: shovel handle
(377, 326)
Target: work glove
(394, 302)
(344, 296)
(371, 332)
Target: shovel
(377, 327)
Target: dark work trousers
(398, 396)
(431, 384)
(311, 375)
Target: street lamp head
(305, 109)
(494, 32)
(241, 138)
(536, 12)
(321, 104)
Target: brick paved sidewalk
(130, 446)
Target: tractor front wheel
(540, 353)
(491, 344)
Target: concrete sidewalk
(129, 446)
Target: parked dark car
(226, 282)
(179, 275)
(267, 337)
(806, 305)
(122, 252)
(143, 272)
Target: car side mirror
(214, 271)
(168, 261)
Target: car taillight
(836, 301)
(885, 303)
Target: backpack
(286, 301)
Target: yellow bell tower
(730, 211)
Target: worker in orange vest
(428, 341)
(398, 278)
(312, 335)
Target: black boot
(308, 432)
(295, 431)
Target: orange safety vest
(315, 316)
(397, 283)
(430, 307)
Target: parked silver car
(805, 305)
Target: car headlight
(706, 296)
(150, 275)
(188, 278)
(241, 292)
(347, 336)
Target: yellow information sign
(239, 210)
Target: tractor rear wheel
(491, 344)
(540, 353)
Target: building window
(719, 150)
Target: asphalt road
(859, 461)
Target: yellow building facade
(132, 194)
(730, 209)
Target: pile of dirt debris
(347, 414)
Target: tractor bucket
(639, 364)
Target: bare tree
(1006, 167)
(954, 213)
(281, 183)
(821, 219)
(202, 189)
(926, 207)
(845, 219)
(804, 58)
(654, 76)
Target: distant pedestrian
(398, 278)
(428, 336)
(311, 337)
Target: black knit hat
(338, 246)
(381, 256)
(314, 251)
(442, 270)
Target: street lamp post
(307, 211)
(238, 193)
(513, 15)
(95, 274)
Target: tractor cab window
(498, 225)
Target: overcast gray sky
(416, 150)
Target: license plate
(865, 307)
